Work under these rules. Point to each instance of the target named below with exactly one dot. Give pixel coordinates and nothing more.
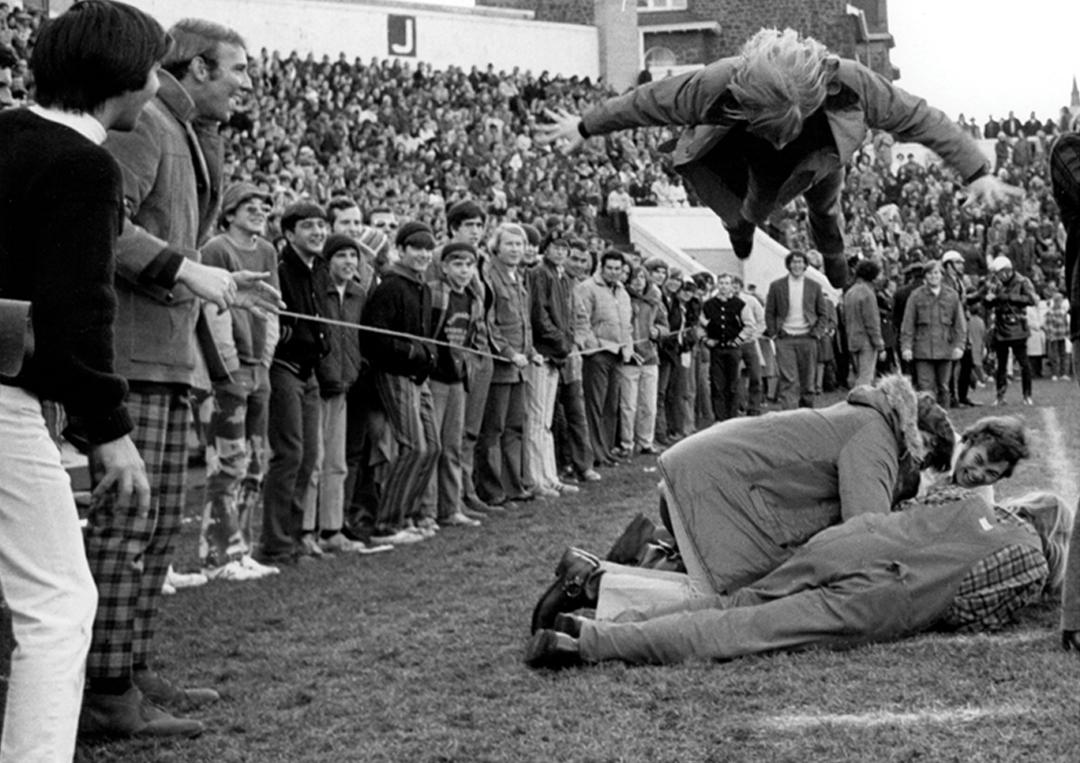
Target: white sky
(982, 57)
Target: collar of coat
(897, 401)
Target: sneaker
(263, 570)
(1066, 377)
(233, 572)
(1053, 378)
(566, 488)
(309, 546)
(459, 520)
(131, 715)
(1028, 401)
(426, 527)
(167, 589)
(400, 538)
(164, 693)
(591, 475)
(338, 543)
(180, 580)
(542, 491)
(651, 450)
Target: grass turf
(415, 655)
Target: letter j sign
(401, 33)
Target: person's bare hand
(563, 126)
(121, 467)
(519, 359)
(255, 294)
(215, 285)
(990, 191)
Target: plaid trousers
(128, 554)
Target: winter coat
(748, 491)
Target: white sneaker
(542, 491)
(426, 527)
(264, 570)
(399, 538)
(180, 580)
(459, 519)
(167, 589)
(566, 488)
(232, 571)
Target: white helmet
(999, 263)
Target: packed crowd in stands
(367, 152)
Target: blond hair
(780, 80)
(501, 232)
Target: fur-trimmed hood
(895, 399)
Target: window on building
(661, 5)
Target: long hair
(780, 80)
(1053, 521)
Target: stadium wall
(458, 37)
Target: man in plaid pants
(171, 169)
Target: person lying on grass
(741, 496)
(955, 563)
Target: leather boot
(131, 715)
(553, 650)
(576, 586)
(163, 692)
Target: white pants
(325, 505)
(47, 585)
(637, 405)
(541, 387)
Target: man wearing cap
(344, 216)
(337, 371)
(236, 436)
(1008, 296)
(465, 224)
(402, 303)
(457, 309)
(290, 487)
(171, 165)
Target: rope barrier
(426, 340)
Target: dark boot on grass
(131, 715)
(553, 650)
(576, 586)
(163, 692)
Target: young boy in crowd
(457, 308)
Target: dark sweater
(61, 209)
(401, 302)
(302, 343)
(552, 312)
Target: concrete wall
(442, 38)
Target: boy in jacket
(457, 308)
(402, 303)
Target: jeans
(600, 384)
(500, 451)
(541, 390)
(442, 497)
(46, 584)
(933, 376)
(724, 381)
(796, 364)
(637, 406)
(1019, 351)
(294, 435)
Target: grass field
(416, 656)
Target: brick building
(673, 35)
